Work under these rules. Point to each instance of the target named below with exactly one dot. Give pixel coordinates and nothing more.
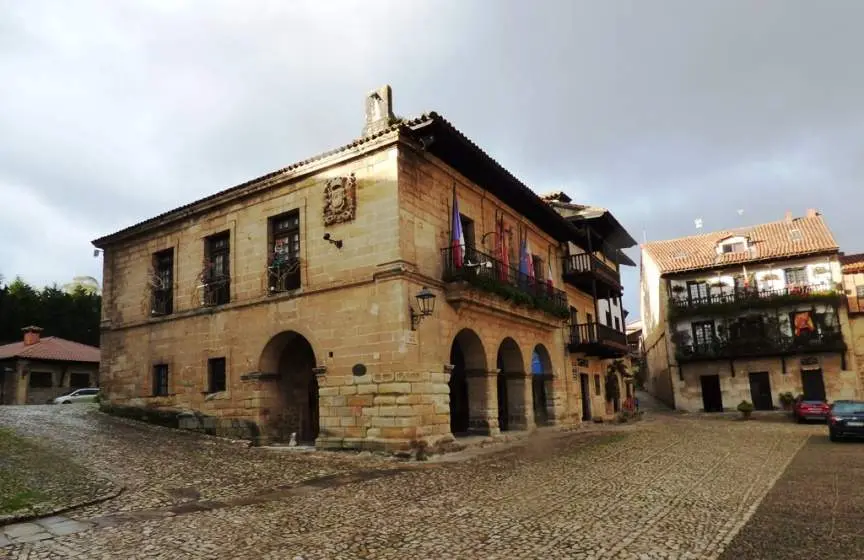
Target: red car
(810, 410)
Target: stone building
(853, 283)
(747, 314)
(402, 287)
(36, 369)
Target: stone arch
(512, 387)
(541, 383)
(467, 395)
(289, 360)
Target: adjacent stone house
(747, 314)
(402, 287)
(36, 369)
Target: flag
(457, 238)
(549, 278)
(502, 249)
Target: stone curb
(27, 517)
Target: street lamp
(425, 305)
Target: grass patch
(35, 480)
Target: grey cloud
(661, 111)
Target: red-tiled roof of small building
(852, 263)
(774, 240)
(53, 349)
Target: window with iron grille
(217, 277)
(703, 332)
(216, 375)
(162, 283)
(284, 267)
(160, 380)
(796, 276)
(697, 292)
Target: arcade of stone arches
(505, 397)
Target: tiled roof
(774, 240)
(852, 263)
(51, 348)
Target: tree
(73, 315)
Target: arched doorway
(295, 398)
(511, 386)
(541, 381)
(467, 356)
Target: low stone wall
(233, 428)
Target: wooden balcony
(764, 346)
(595, 339)
(584, 271)
(731, 301)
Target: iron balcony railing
(284, 275)
(597, 333)
(216, 290)
(727, 348)
(754, 297)
(492, 275)
(162, 302)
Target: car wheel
(66, 402)
(799, 419)
(832, 435)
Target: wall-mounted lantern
(425, 306)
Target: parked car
(846, 419)
(77, 396)
(805, 410)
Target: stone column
(483, 401)
(520, 401)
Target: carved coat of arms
(340, 200)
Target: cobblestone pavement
(667, 487)
(816, 509)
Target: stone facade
(340, 359)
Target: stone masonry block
(397, 388)
(386, 399)
(367, 388)
(360, 400)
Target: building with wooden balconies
(747, 314)
(402, 288)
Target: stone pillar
(520, 401)
(483, 401)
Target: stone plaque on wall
(340, 200)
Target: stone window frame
(155, 385)
(225, 374)
(229, 226)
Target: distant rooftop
(787, 238)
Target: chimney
(789, 216)
(812, 213)
(31, 335)
(379, 110)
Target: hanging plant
(820, 270)
(719, 284)
(678, 289)
(770, 277)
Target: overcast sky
(663, 111)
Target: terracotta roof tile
(852, 263)
(51, 348)
(774, 240)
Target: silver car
(78, 395)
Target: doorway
(813, 385)
(468, 359)
(760, 390)
(295, 405)
(503, 414)
(712, 398)
(585, 386)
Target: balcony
(595, 339)
(283, 275)
(754, 347)
(735, 301)
(162, 302)
(583, 270)
(491, 275)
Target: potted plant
(746, 409)
(787, 399)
